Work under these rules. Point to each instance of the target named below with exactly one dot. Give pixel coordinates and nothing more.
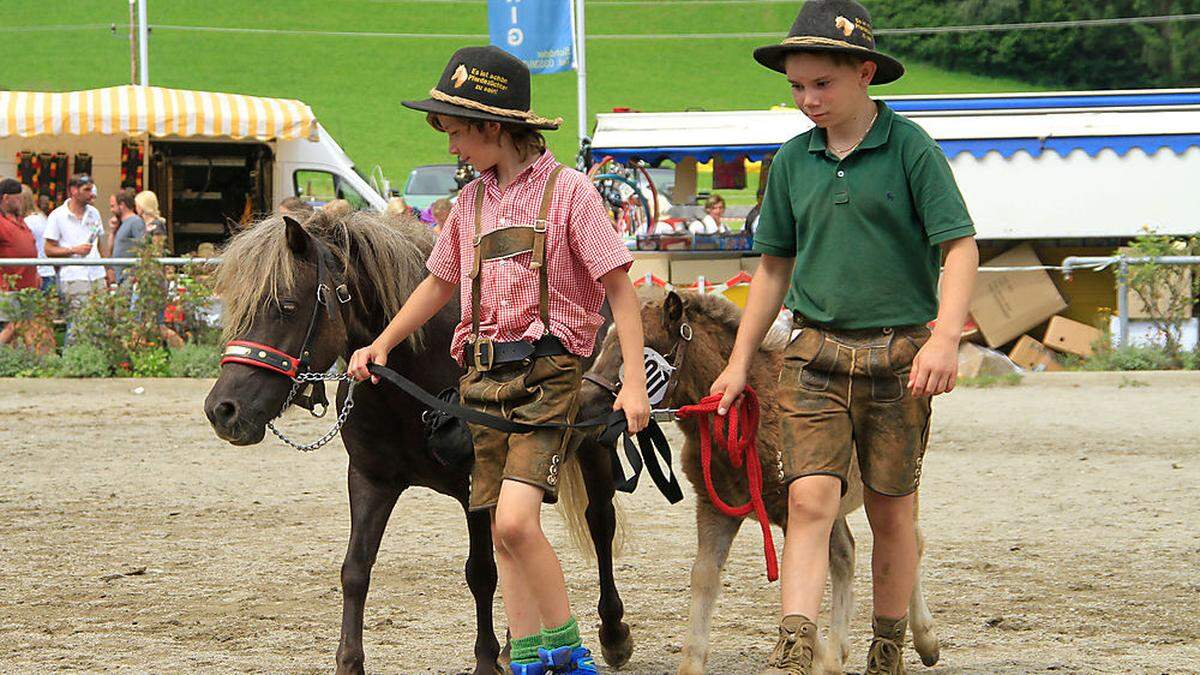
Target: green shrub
(195, 360)
(85, 360)
(150, 362)
(1191, 360)
(17, 362)
(1131, 358)
(13, 361)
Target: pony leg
(920, 621)
(370, 506)
(714, 536)
(481, 579)
(616, 643)
(841, 598)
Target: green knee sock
(525, 649)
(566, 635)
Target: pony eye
(287, 307)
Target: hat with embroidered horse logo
(832, 26)
(484, 83)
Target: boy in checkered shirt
(531, 249)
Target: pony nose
(223, 415)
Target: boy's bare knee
(814, 499)
(890, 516)
(514, 534)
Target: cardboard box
(1139, 310)
(659, 266)
(1033, 355)
(715, 270)
(1071, 337)
(1007, 304)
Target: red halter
(263, 356)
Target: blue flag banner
(539, 32)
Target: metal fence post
(1122, 301)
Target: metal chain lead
(301, 379)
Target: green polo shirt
(864, 230)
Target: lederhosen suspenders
(507, 242)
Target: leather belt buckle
(483, 353)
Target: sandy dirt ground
(1061, 516)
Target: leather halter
(676, 355)
(259, 355)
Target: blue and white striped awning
(1062, 123)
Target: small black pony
(311, 293)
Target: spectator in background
(752, 217)
(296, 208)
(34, 215)
(73, 231)
(16, 241)
(130, 231)
(147, 208)
(440, 210)
(338, 209)
(399, 210)
(714, 209)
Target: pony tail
(572, 506)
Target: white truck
(213, 159)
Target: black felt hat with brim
(484, 83)
(832, 27)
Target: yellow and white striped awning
(136, 111)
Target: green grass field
(355, 84)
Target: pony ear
(297, 238)
(673, 309)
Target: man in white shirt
(73, 231)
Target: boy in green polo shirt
(858, 214)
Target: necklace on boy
(849, 149)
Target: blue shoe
(568, 660)
(536, 668)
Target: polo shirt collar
(879, 134)
(540, 167)
(881, 130)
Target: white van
(215, 160)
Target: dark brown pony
(268, 283)
(711, 325)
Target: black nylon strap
(477, 417)
(651, 445)
(651, 441)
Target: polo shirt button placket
(841, 194)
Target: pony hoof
(929, 650)
(616, 645)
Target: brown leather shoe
(887, 649)
(793, 654)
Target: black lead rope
(652, 441)
(651, 445)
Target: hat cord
(524, 115)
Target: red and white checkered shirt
(581, 247)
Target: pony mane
(383, 254)
(721, 310)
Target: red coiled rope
(742, 447)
